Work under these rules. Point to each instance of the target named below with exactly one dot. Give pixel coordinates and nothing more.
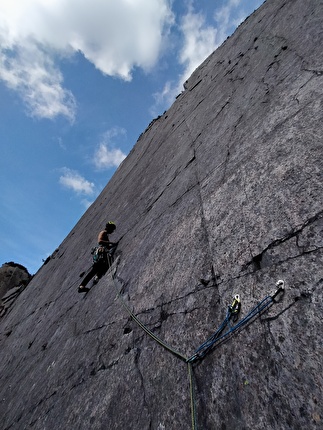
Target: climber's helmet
(110, 226)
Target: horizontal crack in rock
(256, 261)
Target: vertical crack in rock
(193, 203)
(137, 354)
(168, 185)
(203, 219)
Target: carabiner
(236, 305)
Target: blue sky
(80, 80)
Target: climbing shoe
(83, 289)
(95, 280)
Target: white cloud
(107, 155)
(32, 73)
(198, 42)
(74, 181)
(228, 17)
(164, 98)
(86, 203)
(115, 36)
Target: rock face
(221, 195)
(13, 280)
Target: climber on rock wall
(101, 260)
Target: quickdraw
(214, 340)
(220, 335)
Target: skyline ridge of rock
(221, 195)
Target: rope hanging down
(160, 342)
(215, 340)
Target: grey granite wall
(221, 195)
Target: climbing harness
(101, 254)
(215, 340)
(110, 260)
